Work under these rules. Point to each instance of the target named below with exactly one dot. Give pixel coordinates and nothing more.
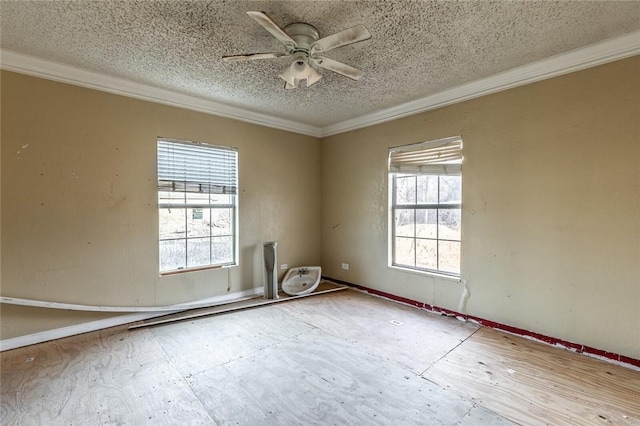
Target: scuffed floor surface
(340, 358)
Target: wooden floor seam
(452, 349)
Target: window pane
(449, 224)
(170, 197)
(450, 189)
(172, 223)
(198, 221)
(221, 223)
(449, 256)
(405, 222)
(222, 249)
(426, 222)
(198, 252)
(405, 251)
(427, 189)
(406, 190)
(172, 255)
(426, 254)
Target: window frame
(437, 206)
(438, 158)
(206, 205)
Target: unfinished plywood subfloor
(339, 358)
(533, 383)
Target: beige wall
(79, 210)
(551, 206)
(551, 195)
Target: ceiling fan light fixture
(313, 76)
(299, 70)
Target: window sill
(200, 268)
(429, 274)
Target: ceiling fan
(304, 44)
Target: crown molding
(29, 65)
(575, 60)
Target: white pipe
(95, 308)
(462, 305)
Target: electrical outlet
(284, 266)
(345, 266)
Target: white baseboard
(72, 330)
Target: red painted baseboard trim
(496, 325)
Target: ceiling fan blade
(268, 24)
(339, 67)
(253, 57)
(342, 38)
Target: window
(197, 203)
(426, 198)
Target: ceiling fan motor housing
(304, 35)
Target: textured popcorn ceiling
(418, 47)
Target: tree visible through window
(197, 187)
(426, 197)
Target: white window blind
(197, 167)
(441, 157)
